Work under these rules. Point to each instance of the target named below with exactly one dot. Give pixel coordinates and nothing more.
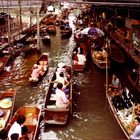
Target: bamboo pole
(9, 31)
(71, 92)
(106, 71)
(38, 45)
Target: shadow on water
(91, 118)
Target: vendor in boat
(77, 49)
(81, 58)
(61, 99)
(35, 73)
(42, 66)
(17, 126)
(136, 134)
(115, 85)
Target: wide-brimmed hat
(5, 103)
(61, 65)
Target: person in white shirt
(16, 127)
(81, 58)
(61, 79)
(61, 99)
(136, 134)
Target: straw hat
(61, 65)
(5, 103)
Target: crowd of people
(61, 85)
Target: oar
(70, 96)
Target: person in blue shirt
(115, 85)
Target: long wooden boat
(43, 63)
(33, 116)
(4, 60)
(31, 40)
(75, 66)
(116, 54)
(46, 39)
(123, 108)
(66, 32)
(7, 101)
(99, 58)
(54, 115)
(51, 29)
(31, 48)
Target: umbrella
(92, 31)
(85, 31)
(100, 32)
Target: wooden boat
(4, 59)
(46, 39)
(43, 62)
(51, 29)
(31, 40)
(33, 116)
(76, 66)
(99, 58)
(31, 30)
(7, 101)
(66, 32)
(116, 54)
(49, 19)
(54, 115)
(31, 48)
(125, 110)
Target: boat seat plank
(53, 97)
(54, 108)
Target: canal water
(91, 118)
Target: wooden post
(107, 45)
(106, 74)
(9, 31)
(38, 32)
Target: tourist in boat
(42, 66)
(136, 134)
(61, 79)
(61, 99)
(81, 58)
(115, 85)
(16, 127)
(77, 49)
(35, 73)
(60, 68)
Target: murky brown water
(91, 118)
